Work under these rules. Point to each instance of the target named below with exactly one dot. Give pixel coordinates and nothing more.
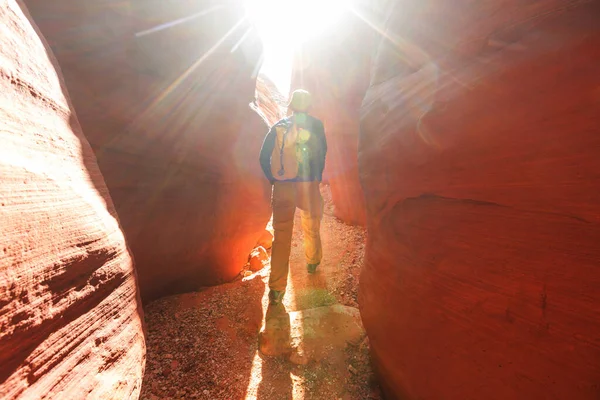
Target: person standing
(292, 158)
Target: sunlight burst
(283, 25)
(291, 22)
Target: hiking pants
(286, 197)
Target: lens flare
(283, 25)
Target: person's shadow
(275, 348)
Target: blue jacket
(316, 148)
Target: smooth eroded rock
(163, 93)
(259, 258)
(479, 157)
(266, 239)
(335, 68)
(314, 334)
(70, 315)
(270, 103)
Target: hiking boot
(275, 296)
(312, 268)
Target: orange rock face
(162, 90)
(70, 314)
(258, 259)
(270, 104)
(479, 159)
(335, 68)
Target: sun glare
(283, 25)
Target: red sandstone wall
(167, 114)
(270, 104)
(335, 68)
(479, 157)
(70, 315)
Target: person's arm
(323, 149)
(265, 154)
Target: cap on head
(301, 101)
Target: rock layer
(70, 315)
(162, 90)
(270, 104)
(478, 157)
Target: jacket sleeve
(265, 154)
(323, 150)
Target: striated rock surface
(335, 68)
(163, 93)
(270, 103)
(70, 315)
(479, 159)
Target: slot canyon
(462, 188)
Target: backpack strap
(281, 171)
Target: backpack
(290, 152)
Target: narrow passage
(205, 345)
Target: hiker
(293, 158)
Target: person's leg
(311, 203)
(284, 207)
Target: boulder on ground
(266, 239)
(258, 259)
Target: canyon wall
(163, 93)
(270, 104)
(478, 156)
(70, 314)
(335, 66)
